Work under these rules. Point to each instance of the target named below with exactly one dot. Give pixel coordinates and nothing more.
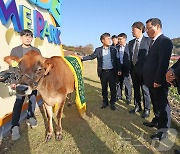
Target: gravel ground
(175, 109)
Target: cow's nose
(21, 89)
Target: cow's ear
(12, 60)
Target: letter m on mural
(9, 11)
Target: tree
(88, 49)
(176, 44)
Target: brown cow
(51, 77)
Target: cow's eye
(38, 70)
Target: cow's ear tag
(14, 64)
(48, 69)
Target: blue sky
(84, 21)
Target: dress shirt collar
(154, 39)
(106, 48)
(122, 45)
(139, 39)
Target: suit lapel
(100, 56)
(126, 53)
(101, 52)
(155, 43)
(157, 40)
(142, 42)
(111, 52)
(126, 48)
(131, 45)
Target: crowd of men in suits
(145, 62)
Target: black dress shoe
(136, 109)
(146, 113)
(104, 105)
(150, 124)
(159, 136)
(113, 107)
(177, 151)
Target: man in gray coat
(138, 50)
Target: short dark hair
(122, 35)
(139, 25)
(104, 35)
(114, 36)
(26, 32)
(154, 22)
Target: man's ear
(11, 60)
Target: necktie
(152, 41)
(121, 54)
(135, 55)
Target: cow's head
(31, 68)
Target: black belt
(107, 70)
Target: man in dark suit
(154, 72)
(138, 49)
(124, 78)
(173, 75)
(108, 67)
(114, 39)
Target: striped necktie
(135, 55)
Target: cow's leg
(59, 117)
(50, 124)
(69, 102)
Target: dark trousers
(18, 107)
(126, 80)
(108, 77)
(161, 106)
(138, 86)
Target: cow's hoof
(59, 136)
(48, 137)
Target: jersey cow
(51, 77)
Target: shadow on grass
(86, 140)
(85, 78)
(73, 123)
(23, 144)
(128, 126)
(13, 147)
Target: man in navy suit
(108, 67)
(138, 49)
(154, 72)
(124, 78)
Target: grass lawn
(97, 132)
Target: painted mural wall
(42, 17)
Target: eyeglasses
(148, 28)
